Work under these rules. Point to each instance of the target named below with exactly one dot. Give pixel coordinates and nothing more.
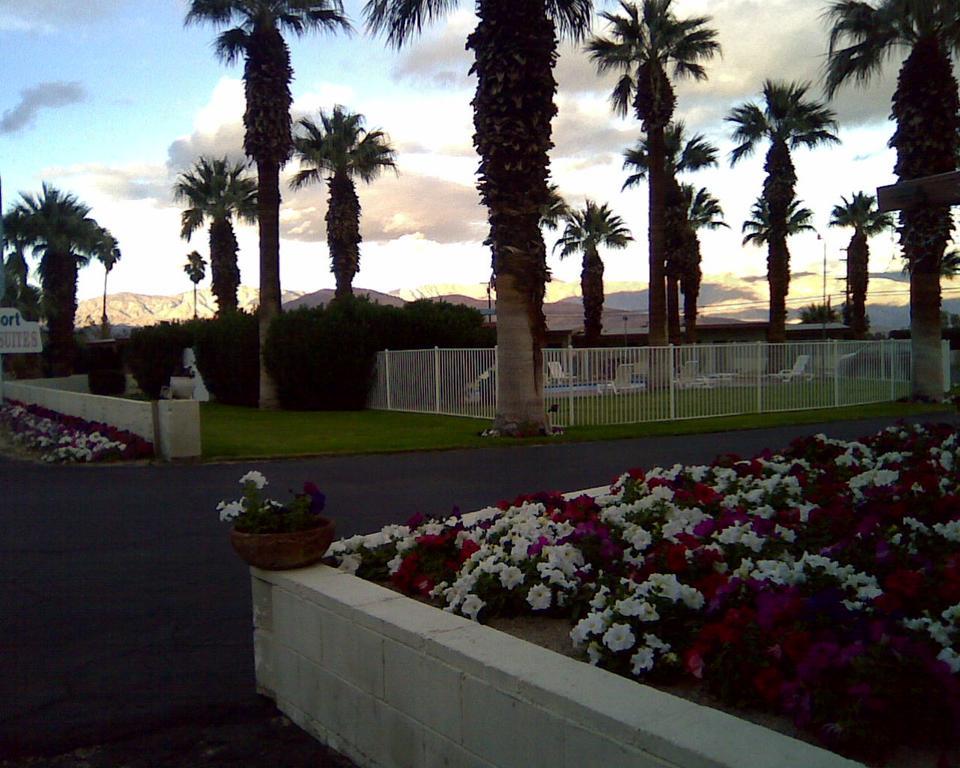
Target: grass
(231, 432)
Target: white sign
(17, 335)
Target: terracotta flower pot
(283, 551)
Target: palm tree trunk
(778, 190)
(690, 283)
(925, 106)
(858, 255)
(268, 213)
(515, 48)
(60, 299)
(343, 233)
(104, 326)
(591, 288)
(194, 301)
(224, 272)
(673, 307)
(657, 309)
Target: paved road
(123, 608)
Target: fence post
(436, 379)
(836, 373)
(386, 366)
(496, 373)
(570, 392)
(673, 385)
(759, 367)
(888, 359)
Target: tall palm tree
(587, 229)
(340, 150)
(515, 49)
(18, 292)
(861, 214)
(788, 120)
(926, 108)
(759, 229)
(645, 45)
(268, 140)
(703, 212)
(57, 228)
(681, 155)
(196, 269)
(218, 191)
(107, 252)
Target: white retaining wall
(394, 683)
(173, 426)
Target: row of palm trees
(337, 149)
(515, 49)
(58, 228)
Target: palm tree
(218, 191)
(758, 229)
(515, 49)
(861, 214)
(788, 120)
(818, 314)
(555, 211)
(644, 44)
(107, 252)
(950, 264)
(18, 292)
(926, 108)
(340, 149)
(268, 140)
(56, 227)
(680, 156)
(196, 269)
(703, 212)
(587, 229)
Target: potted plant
(275, 536)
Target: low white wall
(173, 427)
(394, 683)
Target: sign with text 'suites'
(17, 335)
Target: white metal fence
(635, 384)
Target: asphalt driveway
(125, 611)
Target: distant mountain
(325, 295)
(137, 309)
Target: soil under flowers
(820, 584)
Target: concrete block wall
(172, 426)
(394, 683)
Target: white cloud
(37, 98)
(46, 15)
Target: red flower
(904, 583)
(767, 683)
(467, 549)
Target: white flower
(540, 597)
(350, 563)
(394, 564)
(641, 661)
(951, 658)
(619, 638)
(511, 577)
(230, 510)
(472, 606)
(591, 624)
(258, 480)
(639, 609)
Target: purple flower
(318, 500)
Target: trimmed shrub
(228, 357)
(423, 324)
(323, 358)
(155, 352)
(105, 374)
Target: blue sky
(110, 99)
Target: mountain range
(562, 307)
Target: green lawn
(231, 432)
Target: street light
(823, 308)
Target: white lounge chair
(557, 376)
(486, 380)
(689, 377)
(799, 371)
(625, 380)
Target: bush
(155, 352)
(228, 357)
(423, 324)
(323, 358)
(105, 374)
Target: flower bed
(822, 583)
(60, 438)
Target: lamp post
(625, 331)
(823, 308)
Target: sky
(112, 99)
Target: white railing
(628, 385)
